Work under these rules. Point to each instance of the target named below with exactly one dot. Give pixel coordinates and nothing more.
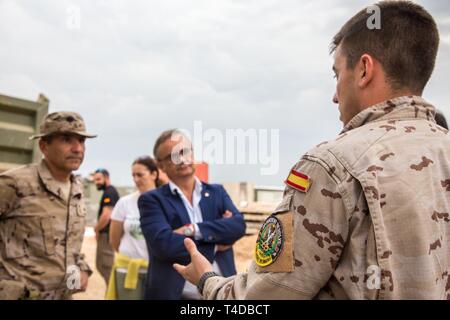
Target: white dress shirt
(195, 216)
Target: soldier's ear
(365, 70)
(43, 145)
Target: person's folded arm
(224, 230)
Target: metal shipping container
(20, 119)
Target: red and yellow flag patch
(298, 180)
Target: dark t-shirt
(109, 199)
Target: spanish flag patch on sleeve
(298, 180)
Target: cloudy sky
(135, 68)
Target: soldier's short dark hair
(406, 45)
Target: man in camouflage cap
(42, 217)
(63, 122)
(366, 215)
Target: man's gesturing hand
(198, 266)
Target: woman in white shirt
(126, 235)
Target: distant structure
(20, 119)
(202, 171)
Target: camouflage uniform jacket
(374, 223)
(40, 233)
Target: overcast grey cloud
(135, 68)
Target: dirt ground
(243, 253)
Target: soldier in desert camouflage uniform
(42, 217)
(366, 215)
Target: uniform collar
(401, 108)
(51, 185)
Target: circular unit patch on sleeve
(269, 243)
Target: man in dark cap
(42, 217)
(105, 253)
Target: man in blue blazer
(185, 207)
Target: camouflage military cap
(63, 122)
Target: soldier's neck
(57, 174)
(374, 97)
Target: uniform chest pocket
(81, 210)
(28, 237)
(78, 209)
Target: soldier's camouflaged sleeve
(80, 260)
(320, 224)
(82, 264)
(8, 194)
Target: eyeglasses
(176, 157)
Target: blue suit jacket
(162, 212)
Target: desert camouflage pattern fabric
(375, 223)
(62, 122)
(40, 234)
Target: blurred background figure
(131, 260)
(105, 254)
(440, 119)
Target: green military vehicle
(20, 119)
